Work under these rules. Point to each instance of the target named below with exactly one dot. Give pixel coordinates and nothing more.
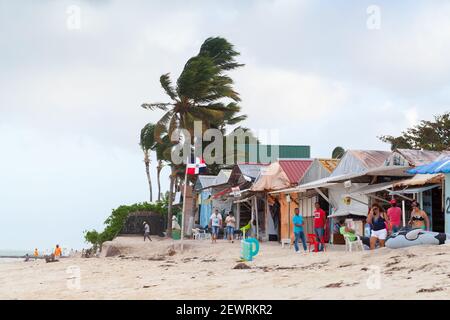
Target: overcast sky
(323, 73)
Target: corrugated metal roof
(359, 161)
(421, 157)
(251, 170)
(329, 164)
(204, 182)
(223, 176)
(295, 169)
(371, 158)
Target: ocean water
(13, 255)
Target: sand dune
(205, 271)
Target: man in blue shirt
(297, 220)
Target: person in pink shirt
(395, 216)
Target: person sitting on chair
(347, 232)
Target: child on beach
(215, 222)
(230, 223)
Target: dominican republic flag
(197, 167)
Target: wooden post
(238, 215)
(404, 213)
(266, 215)
(447, 203)
(256, 214)
(184, 206)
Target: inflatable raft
(414, 237)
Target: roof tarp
(440, 166)
(271, 178)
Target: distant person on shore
(298, 222)
(58, 252)
(36, 253)
(215, 222)
(27, 257)
(230, 223)
(395, 216)
(146, 231)
(377, 218)
(320, 218)
(419, 218)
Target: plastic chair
(285, 242)
(350, 244)
(312, 241)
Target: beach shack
(203, 191)
(351, 173)
(246, 205)
(440, 171)
(285, 173)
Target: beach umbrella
(441, 166)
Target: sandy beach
(158, 270)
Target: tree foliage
(428, 135)
(338, 153)
(115, 222)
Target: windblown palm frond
(167, 86)
(221, 51)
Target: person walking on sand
(146, 231)
(395, 216)
(320, 218)
(230, 223)
(58, 252)
(377, 218)
(419, 218)
(215, 222)
(298, 222)
(36, 253)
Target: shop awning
(415, 190)
(373, 188)
(344, 213)
(420, 180)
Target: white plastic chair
(196, 234)
(350, 244)
(286, 241)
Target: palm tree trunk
(169, 207)
(147, 171)
(158, 178)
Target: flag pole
(184, 204)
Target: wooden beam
(322, 195)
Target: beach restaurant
(364, 177)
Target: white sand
(205, 271)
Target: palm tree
(147, 143)
(199, 95)
(200, 90)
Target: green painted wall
(256, 153)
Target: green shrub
(115, 222)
